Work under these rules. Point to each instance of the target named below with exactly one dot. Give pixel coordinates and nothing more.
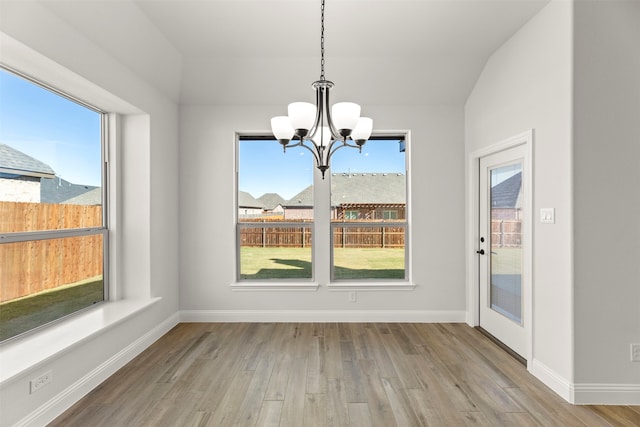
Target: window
(275, 211)
(53, 234)
(366, 199)
(390, 214)
(368, 193)
(351, 215)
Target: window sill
(23, 353)
(275, 286)
(311, 286)
(371, 286)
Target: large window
(369, 205)
(367, 201)
(53, 235)
(275, 211)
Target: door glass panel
(506, 241)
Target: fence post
(264, 235)
(343, 235)
(382, 229)
(302, 234)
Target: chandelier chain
(322, 41)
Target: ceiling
(267, 52)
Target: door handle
(481, 252)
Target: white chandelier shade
(319, 128)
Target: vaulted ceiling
(267, 52)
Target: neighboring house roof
(358, 189)
(507, 193)
(271, 200)
(302, 199)
(58, 190)
(246, 200)
(91, 197)
(16, 162)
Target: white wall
(145, 232)
(606, 158)
(207, 230)
(573, 75)
(526, 84)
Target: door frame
(473, 233)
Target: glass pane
(276, 191)
(50, 159)
(368, 252)
(506, 241)
(369, 187)
(44, 280)
(273, 251)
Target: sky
(67, 137)
(59, 132)
(264, 168)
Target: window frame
(365, 284)
(103, 229)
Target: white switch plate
(635, 352)
(548, 215)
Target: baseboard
(63, 401)
(553, 380)
(606, 394)
(586, 394)
(323, 316)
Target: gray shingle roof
(246, 200)
(359, 188)
(506, 193)
(271, 200)
(14, 161)
(58, 190)
(91, 197)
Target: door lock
(481, 252)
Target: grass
(295, 263)
(24, 314)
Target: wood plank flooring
(333, 374)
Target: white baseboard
(606, 394)
(552, 379)
(63, 401)
(323, 316)
(586, 394)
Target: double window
(53, 228)
(365, 195)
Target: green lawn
(24, 314)
(295, 263)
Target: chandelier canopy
(318, 128)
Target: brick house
(21, 176)
(356, 196)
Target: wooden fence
(368, 237)
(271, 235)
(30, 267)
(506, 233)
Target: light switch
(548, 215)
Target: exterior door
(501, 254)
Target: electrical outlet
(41, 381)
(353, 297)
(635, 352)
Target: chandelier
(318, 128)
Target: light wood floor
(286, 374)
